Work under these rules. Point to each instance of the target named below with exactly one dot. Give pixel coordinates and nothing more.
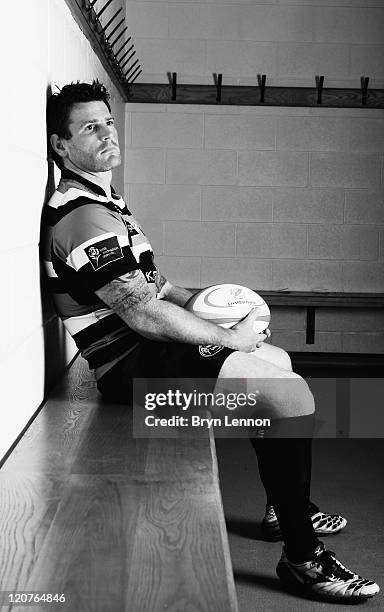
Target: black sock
(285, 470)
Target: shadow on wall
(55, 346)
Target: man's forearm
(164, 321)
(177, 295)
(157, 319)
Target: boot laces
(332, 567)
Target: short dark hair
(59, 106)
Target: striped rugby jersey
(90, 239)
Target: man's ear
(58, 144)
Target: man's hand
(246, 338)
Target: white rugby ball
(227, 304)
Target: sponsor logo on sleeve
(104, 252)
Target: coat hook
(174, 85)
(128, 59)
(119, 36)
(130, 69)
(319, 85)
(135, 73)
(106, 5)
(115, 29)
(111, 20)
(219, 83)
(125, 55)
(123, 45)
(261, 79)
(364, 89)
(138, 74)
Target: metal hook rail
(103, 38)
(257, 95)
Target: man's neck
(103, 179)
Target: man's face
(94, 145)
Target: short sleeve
(93, 243)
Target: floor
(347, 479)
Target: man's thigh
(273, 354)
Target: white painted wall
(41, 47)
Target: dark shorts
(159, 360)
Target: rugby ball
(227, 304)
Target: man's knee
(284, 393)
(284, 359)
(274, 354)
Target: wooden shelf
(155, 93)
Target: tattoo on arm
(128, 291)
(160, 281)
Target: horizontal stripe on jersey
(90, 240)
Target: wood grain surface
(114, 522)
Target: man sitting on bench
(129, 321)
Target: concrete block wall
(272, 198)
(269, 197)
(289, 40)
(41, 47)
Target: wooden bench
(112, 521)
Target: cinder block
(6, 305)
(344, 170)
(327, 342)
(27, 358)
(346, 319)
(307, 60)
(267, 240)
(381, 245)
(24, 322)
(342, 242)
(205, 239)
(249, 272)
(161, 202)
(166, 55)
(363, 276)
(240, 58)
(312, 134)
(273, 169)
(30, 32)
(24, 169)
(145, 166)
(308, 205)
(13, 108)
(203, 21)
(346, 25)
(379, 321)
(143, 107)
(286, 318)
(201, 167)
(127, 130)
(367, 60)
(239, 132)
(308, 275)
(167, 130)
(181, 271)
(148, 19)
(155, 234)
(363, 343)
(275, 23)
(367, 135)
(236, 204)
(363, 206)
